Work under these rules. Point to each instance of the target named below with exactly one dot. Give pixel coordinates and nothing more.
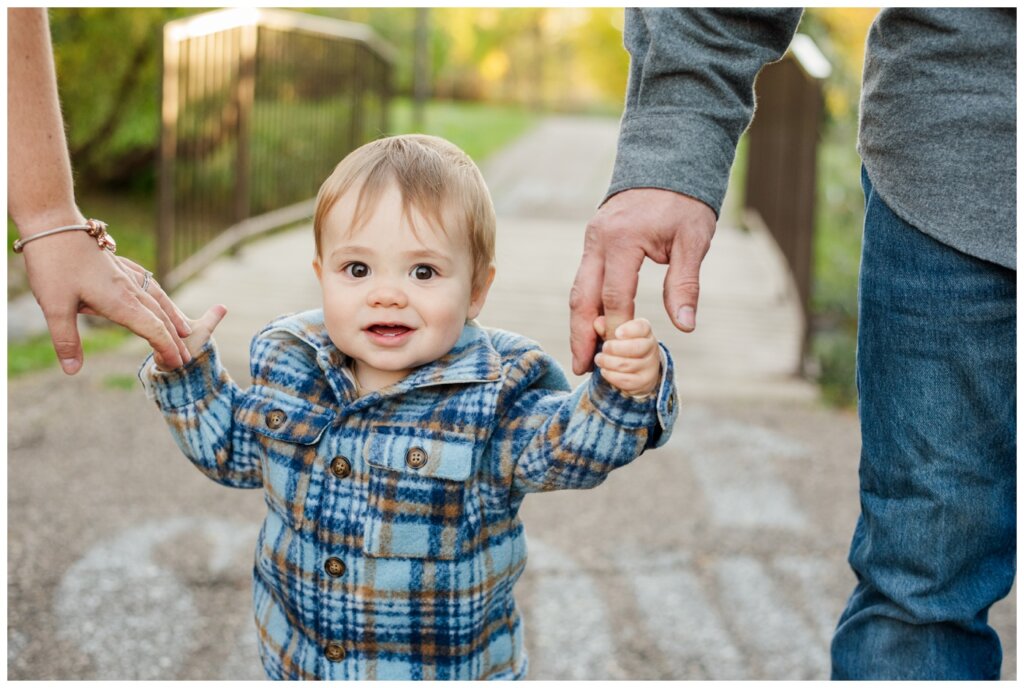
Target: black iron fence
(782, 158)
(258, 106)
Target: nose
(385, 294)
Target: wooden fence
(257, 108)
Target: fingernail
(188, 328)
(70, 365)
(686, 318)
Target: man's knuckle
(56, 311)
(65, 347)
(579, 299)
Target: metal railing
(257, 107)
(781, 182)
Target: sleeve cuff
(202, 377)
(675, 151)
(656, 412)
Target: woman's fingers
(153, 288)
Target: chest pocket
(418, 494)
(289, 431)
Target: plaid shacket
(392, 539)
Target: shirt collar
(472, 359)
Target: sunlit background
(491, 74)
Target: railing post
(782, 160)
(245, 96)
(168, 153)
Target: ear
(317, 267)
(476, 303)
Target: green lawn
(477, 128)
(37, 353)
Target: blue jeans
(935, 544)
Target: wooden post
(421, 67)
(245, 96)
(782, 160)
(168, 153)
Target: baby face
(394, 299)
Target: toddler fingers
(618, 363)
(211, 318)
(638, 327)
(627, 382)
(599, 326)
(630, 348)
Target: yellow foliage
(848, 28)
(494, 65)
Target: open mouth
(388, 330)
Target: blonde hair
(433, 175)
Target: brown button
(334, 652)
(340, 467)
(275, 419)
(671, 401)
(416, 457)
(334, 566)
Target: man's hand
(202, 330)
(69, 274)
(631, 361)
(665, 226)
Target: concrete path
(718, 556)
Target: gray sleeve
(691, 94)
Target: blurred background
(201, 137)
(486, 76)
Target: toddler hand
(631, 362)
(202, 330)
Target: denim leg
(935, 544)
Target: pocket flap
(281, 416)
(446, 455)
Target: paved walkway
(718, 556)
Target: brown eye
(357, 270)
(423, 272)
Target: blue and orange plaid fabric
(392, 540)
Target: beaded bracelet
(94, 228)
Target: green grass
(121, 382)
(131, 218)
(477, 128)
(37, 353)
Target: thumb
(682, 284)
(66, 342)
(210, 319)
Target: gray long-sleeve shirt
(937, 122)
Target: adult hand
(665, 226)
(69, 274)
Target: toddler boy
(395, 438)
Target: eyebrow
(354, 249)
